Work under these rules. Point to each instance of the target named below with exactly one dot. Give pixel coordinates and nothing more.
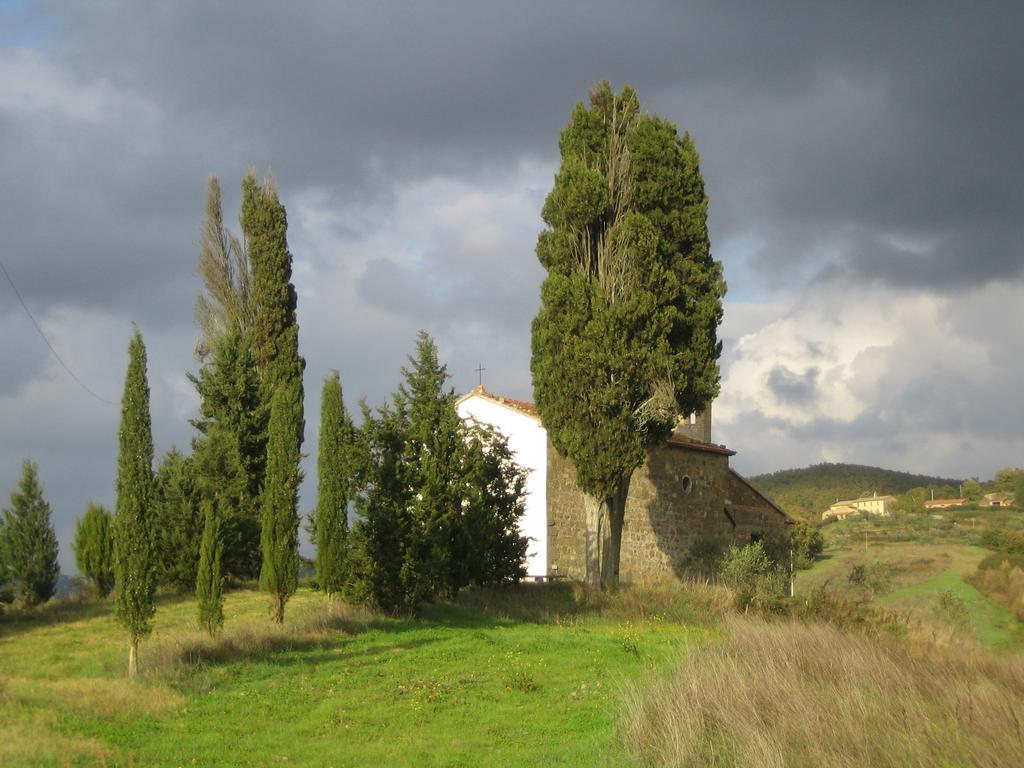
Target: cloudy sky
(864, 167)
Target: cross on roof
(480, 374)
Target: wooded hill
(808, 492)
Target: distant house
(880, 506)
(996, 500)
(945, 503)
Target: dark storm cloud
(792, 388)
(826, 129)
(854, 140)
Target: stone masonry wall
(664, 514)
(752, 514)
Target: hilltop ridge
(808, 491)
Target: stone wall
(680, 493)
(751, 511)
(700, 430)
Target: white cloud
(31, 84)
(879, 376)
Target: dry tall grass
(1004, 583)
(788, 694)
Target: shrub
(755, 580)
(1011, 542)
(952, 608)
(875, 578)
(705, 554)
(94, 548)
(808, 543)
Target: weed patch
(786, 693)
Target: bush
(952, 608)
(1011, 542)
(875, 577)
(808, 543)
(705, 554)
(755, 580)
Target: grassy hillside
(808, 492)
(538, 675)
(465, 685)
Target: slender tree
(279, 524)
(210, 576)
(275, 340)
(134, 571)
(29, 541)
(334, 468)
(626, 337)
(94, 548)
(434, 453)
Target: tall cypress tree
(210, 576)
(133, 535)
(334, 469)
(275, 340)
(28, 540)
(94, 548)
(275, 346)
(626, 337)
(279, 523)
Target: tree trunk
(603, 536)
(279, 608)
(595, 512)
(133, 656)
(611, 545)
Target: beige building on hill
(880, 506)
(685, 490)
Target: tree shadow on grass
(571, 602)
(18, 620)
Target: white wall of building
(527, 440)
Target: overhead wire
(42, 335)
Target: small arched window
(687, 484)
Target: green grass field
(920, 574)
(465, 685)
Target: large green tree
(249, 344)
(438, 501)
(334, 471)
(177, 522)
(279, 523)
(28, 540)
(626, 337)
(134, 566)
(94, 548)
(229, 455)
